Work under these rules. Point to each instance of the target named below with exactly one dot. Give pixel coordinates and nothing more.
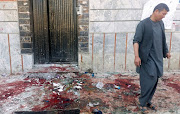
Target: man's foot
(151, 106)
(143, 109)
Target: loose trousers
(148, 86)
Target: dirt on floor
(108, 93)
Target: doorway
(55, 31)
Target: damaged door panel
(55, 31)
(63, 30)
(41, 35)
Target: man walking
(149, 49)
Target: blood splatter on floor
(113, 94)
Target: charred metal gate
(55, 31)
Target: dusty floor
(109, 93)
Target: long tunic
(156, 53)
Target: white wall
(106, 17)
(121, 17)
(11, 60)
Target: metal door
(41, 35)
(55, 31)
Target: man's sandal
(143, 109)
(151, 106)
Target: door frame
(48, 56)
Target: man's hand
(137, 61)
(168, 55)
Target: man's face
(160, 14)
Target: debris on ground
(109, 93)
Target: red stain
(15, 88)
(128, 95)
(21, 106)
(7, 0)
(126, 83)
(36, 81)
(109, 86)
(56, 102)
(58, 68)
(118, 75)
(175, 86)
(54, 68)
(129, 99)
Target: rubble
(100, 85)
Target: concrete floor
(107, 92)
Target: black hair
(161, 7)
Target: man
(149, 49)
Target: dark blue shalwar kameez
(153, 69)
(151, 66)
